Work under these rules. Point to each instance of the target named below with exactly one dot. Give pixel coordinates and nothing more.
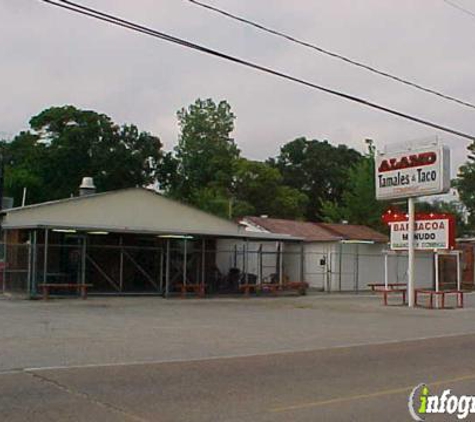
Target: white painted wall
(363, 264)
(317, 263)
(360, 264)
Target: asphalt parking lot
(319, 357)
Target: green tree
(206, 154)
(358, 201)
(317, 169)
(261, 186)
(462, 228)
(24, 160)
(66, 143)
(465, 184)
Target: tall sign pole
(1, 180)
(411, 253)
(411, 171)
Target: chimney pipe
(87, 186)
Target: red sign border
(394, 216)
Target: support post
(340, 266)
(161, 270)
(260, 264)
(185, 259)
(357, 283)
(167, 270)
(302, 262)
(203, 263)
(247, 262)
(121, 264)
(83, 259)
(45, 258)
(386, 270)
(411, 254)
(34, 265)
(30, 259)
(5, 260)
(281, 263)
(459, 272)
(437, 281)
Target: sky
(50, 57)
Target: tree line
(308, 180)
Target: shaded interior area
(132, 263)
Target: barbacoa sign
(414, 172)
(429, 234)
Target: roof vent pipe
(87, 186)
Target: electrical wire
(322, 50)
(95, 14)
(458, 7)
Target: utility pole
(1, 180)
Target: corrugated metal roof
(128, 210)
(356, 232)
(307, 230)
(318, 232)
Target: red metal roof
(318, 232)
(356, 232)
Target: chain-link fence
(177, 264)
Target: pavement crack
(86, 396)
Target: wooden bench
(299, 286)
(198, 289)
(440, 294)
(375, 286)
(269, 287)
(249, 288)
(80, 288)
(385, 292)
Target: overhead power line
(95, 14)
(458, 7)
(330, 53)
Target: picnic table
(392, 288)
(298, 286)
(440, 294)
(197, 288)
(375, 286)
(79, 287)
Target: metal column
(459, 272)
(83, 260)
(281, 263)
(437, 280)
(411, 257)
(121, 265)
(357, 273)
(45, 258)
(34, 261)
(203, 261)
(167, 271)
(340, 266)
(5, 260)
(329, 271)
(386, 270)
(185, 259)
(161, 270)
(247, 262)
(260, 264)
